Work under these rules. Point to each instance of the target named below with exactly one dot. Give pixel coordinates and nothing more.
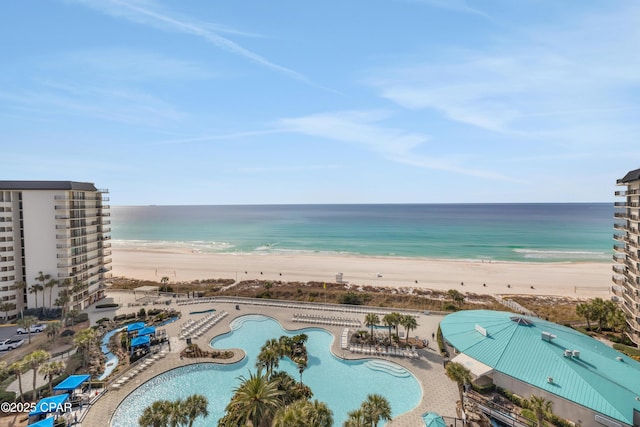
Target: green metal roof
(599, 378)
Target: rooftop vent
(547, 336)
(620, 359)
(482, 330)
(521, 320)
(550, 380)
(568, 353)
(576, 353)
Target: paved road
(10, 332)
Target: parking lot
(9, 331)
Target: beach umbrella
(432, 419)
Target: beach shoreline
(569, 279)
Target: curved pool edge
(332, 348)
(124, 392)
(172, 362)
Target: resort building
(589, 383)
(53, 242)
(626, 259)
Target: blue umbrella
(431, 419)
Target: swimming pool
(342, 384)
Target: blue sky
(376, 101)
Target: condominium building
(54, 243)
(626, 258)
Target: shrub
(351, 298)
(109, 305)
(142, 312)
(529, 415)
(7, 396)
(483, 389)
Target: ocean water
(540, 232)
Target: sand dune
(578, 280)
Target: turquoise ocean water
(538, 232)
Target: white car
(10, 344)
(34, 329)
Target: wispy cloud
(548, 79)
(123, 64)
(296, 168)
(147, 13)
(363, 128)
(453, 5)
(220, 137)
(51, 99)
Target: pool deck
(439, 393)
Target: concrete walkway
(439, 394)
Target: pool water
(112, 359)
(342, 384)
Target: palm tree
(156, 415)
(42, 278)
(540, 407)
(599, 310)
(461, 375)
(20, 285)
(617, 320)
(17, 368)
(195, 406)
(176, 415)
(85, 339)
(293, 415)
(26, 323)
(371, 319)
(409, 323)
(51, 370)
(64, 296)
(303, 413)
(376, 408)
(389, 321)
(33, 361)
(319, 414)
(52, 330)
(7, 307)
(302, 365)
(357, 418)
(50, 284)
(256, 399)
(34, 290)
(456, 296)
(584, 310)
(269, 357)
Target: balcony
(620, 205)
(620, 193)
(619, 280)
(619, 226)
(619, 269)
(619, 248)
(620, 258)
(622, 215)
(619, 237)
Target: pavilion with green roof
(588, 382)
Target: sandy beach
(576, 280)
